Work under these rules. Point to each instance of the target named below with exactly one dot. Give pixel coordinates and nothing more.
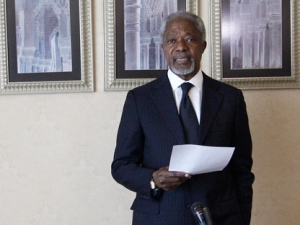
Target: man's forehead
(181, 26)
(181, 23)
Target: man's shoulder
(219, 85)
(156, 83)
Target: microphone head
(201, 213)
(196, 208)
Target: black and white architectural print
(43, 36)
(142, 23)
(256, 34)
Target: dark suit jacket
(149, 128)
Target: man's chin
(183, 71)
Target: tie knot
(186, 88)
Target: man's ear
(204, 45)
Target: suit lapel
(163, 98)
(211, 101)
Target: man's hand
(167, 180)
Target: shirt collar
(176, 81)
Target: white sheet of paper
(198, 159)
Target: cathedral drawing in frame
(256, 34)
(253, 44)
(43, 36)
(142, 42)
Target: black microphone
(201, 213)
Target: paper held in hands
(198, 159)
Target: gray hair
(197, 21)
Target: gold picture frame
(116, 77)
(271, 78)
(78, 79)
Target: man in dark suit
(151, 125)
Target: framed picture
(133, 54)
(253, 43)
(45, 46)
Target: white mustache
(181, 57)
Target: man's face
(183, 48)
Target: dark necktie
(188, 116)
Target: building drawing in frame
(43, 36)
(142, 22)
(256, 34)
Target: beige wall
(56, 150)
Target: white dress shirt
(195, 92)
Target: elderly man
(154, 120)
